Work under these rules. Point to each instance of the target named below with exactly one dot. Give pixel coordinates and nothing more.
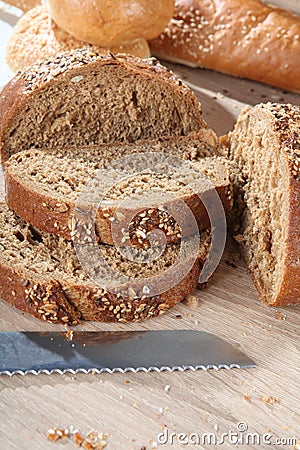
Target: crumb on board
(269, 399)
(279, 315)
(192, 301)
(69, 335)
(92, 441)
(246, 397)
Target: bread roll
(36, 38)
(107, 23)
(242, 38)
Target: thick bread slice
(265, 149)
(83, 99)
(40, 274)
(36, 37)
(43, 187)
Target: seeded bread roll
(24, 5)
(241, 38)
(106, 23)
(43, 187)
(83, 99)
(40, 274)
(36, 38)
(266, 161)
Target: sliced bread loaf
(265, 150)
(43, 187)
(36, 37)
(40, 273)
(83, 99)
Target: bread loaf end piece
(265, 150)
(83, 99)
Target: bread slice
(40, 274)
(36, 38)
(43, 187)
(265, 149)
(83, 99)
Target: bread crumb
(279, 315)
(246, 397)
(69, 335)
(192, 301)
(269, 400)
(92, 441)
(167, 388)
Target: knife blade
(46, 352)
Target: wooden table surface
(132, 409)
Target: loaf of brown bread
(41, 274)
(43, 187)
(244, 38)
(83, 99)
(265, 150)
(36, 38)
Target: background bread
(107, 23)
(83, 99)
(40, 274)
(36, 38)
(238, 37)
(24, 5)
(265, 150)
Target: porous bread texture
(266, 175)
(41, 274)
(43, 187)
(83, 99)
(36, 38)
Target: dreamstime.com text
(240, 436)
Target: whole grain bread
(43, 187)
(41, 274)
(36, 38)
(83, 99)
(265, 150)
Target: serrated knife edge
(127, 369)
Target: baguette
(264, 149)
(244, 38)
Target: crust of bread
(24, 5)
(43, 299)
(17, 92)
(36, 38)
(242, 38)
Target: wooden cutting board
(133, 408)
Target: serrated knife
(45, 352)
